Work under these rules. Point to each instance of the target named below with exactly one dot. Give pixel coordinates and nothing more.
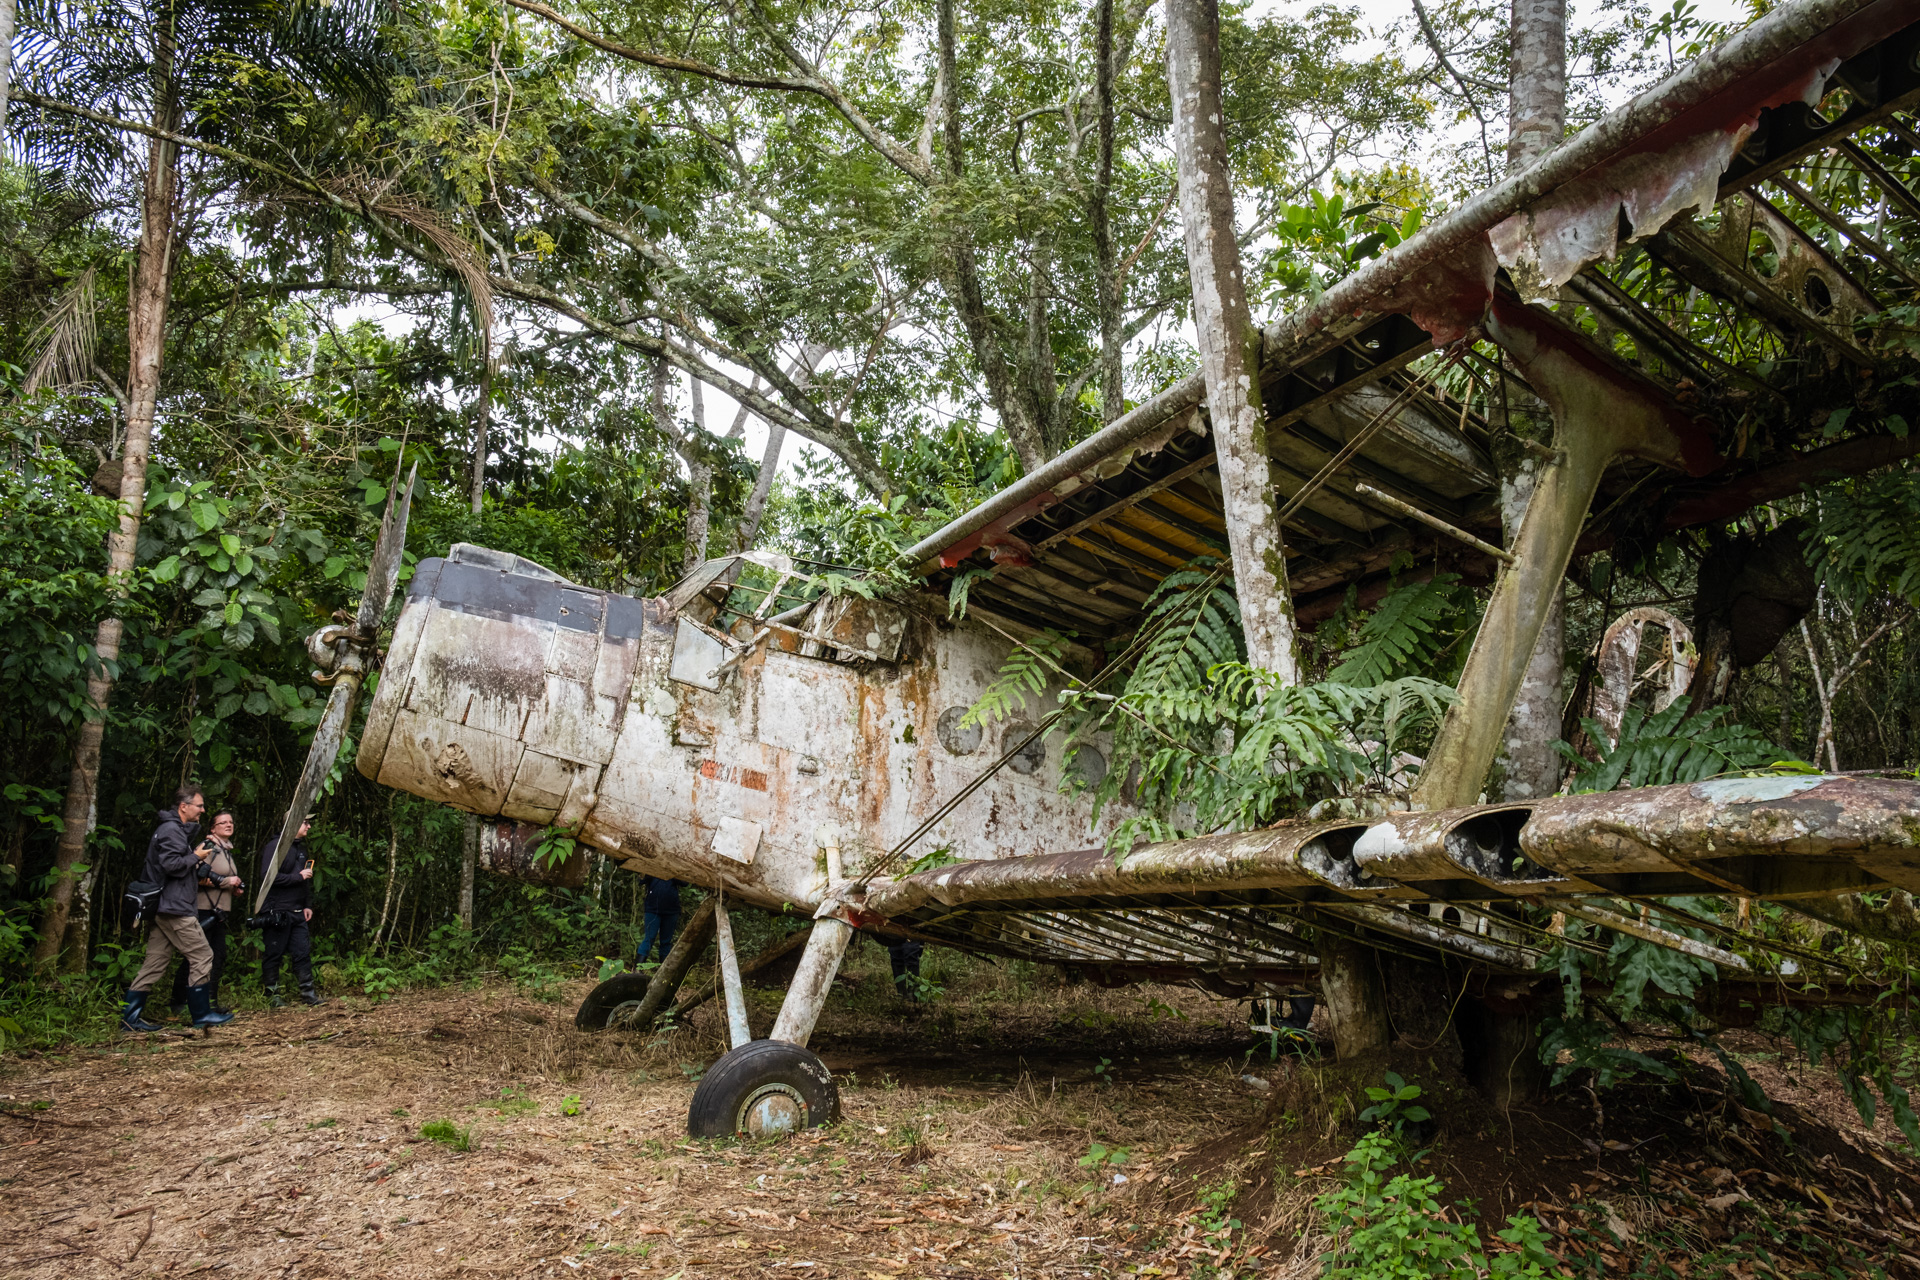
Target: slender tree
(1529, 767)
(1229, 342)
(171, 63)
(8, 10)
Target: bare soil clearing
(289, 1144)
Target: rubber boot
(130, 1013)
(201, 1003)
(273, 997)
(309, 995)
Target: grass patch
(512, 1101)
(444, 1133)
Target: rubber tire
(740, 1073)
(622, 988)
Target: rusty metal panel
(397, 671)
(696, 655)
(475, 670)
(452, 763)
(574, 654)
(874, 627)
(542, 785)
(569, 722)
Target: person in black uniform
(663, 916)
(904, 955)
(285, 917)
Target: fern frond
(1667, 747)
(1867, 537)
(1024, 674)
(1195, 625)
(1410, 627)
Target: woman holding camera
(219, 880)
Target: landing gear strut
(764, 1088)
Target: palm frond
(61, 346)
(1025, 674)
(468, 261)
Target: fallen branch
(145, 1235)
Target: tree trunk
(1501, 1043)
(1229, 344)
(7, 10)
(393, 868)
(482, 417)
(75, 945)
(469, 856)
(1016, 414)
(146, 346)
(1500, 1052)
(1529, 768)
(699, 471)
(1042, 387)
(1356, 997)
(756, 508)
(1113, 400)
(1537, 91)
(16, 854)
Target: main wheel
(604, 1005)
(762, 1090)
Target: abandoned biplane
(789, 758)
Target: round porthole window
(1031, 756)
(1087, 765)
(1819, 296)
(961, 739)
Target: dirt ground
(289, 1144)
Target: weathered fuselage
(509, 692)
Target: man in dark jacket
(663, 916)
(286, 914)
(174, 863)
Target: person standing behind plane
(663, 916)
(285, 916)
(174, 864)
(219, 880)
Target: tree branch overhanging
(811, 80)
(859, 460)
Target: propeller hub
(324, 647)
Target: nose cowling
(504, 688)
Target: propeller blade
(327, 740)
(384, 569)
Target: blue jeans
(660, 928)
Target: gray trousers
(167, 935)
